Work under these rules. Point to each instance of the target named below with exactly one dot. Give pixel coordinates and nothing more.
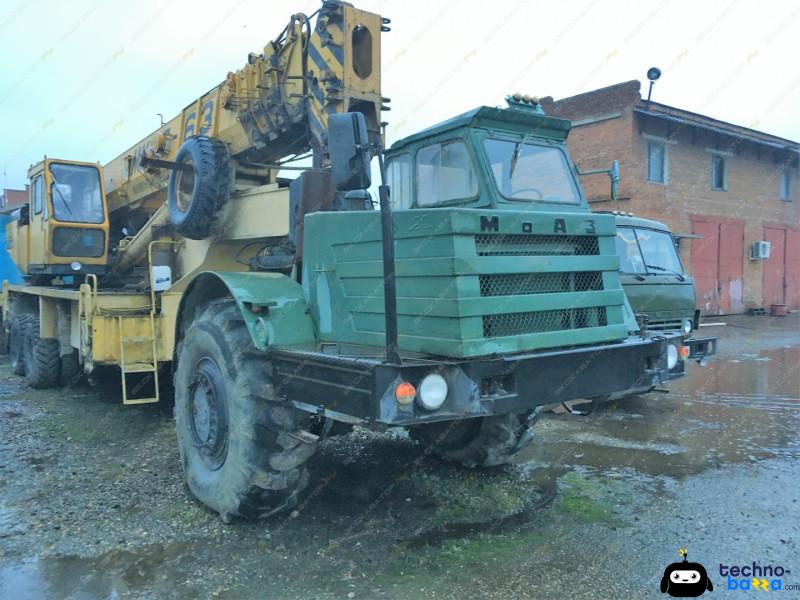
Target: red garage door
(793, 268)
(717, 264)
(782, 268)
(775, 267)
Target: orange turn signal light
(683, 352)
(405, 393)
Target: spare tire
(195, 196)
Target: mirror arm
(613, 175)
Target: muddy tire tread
(271, 471)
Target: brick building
(722, 186)
(12, 199)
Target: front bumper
(358, 389)
(700, 348)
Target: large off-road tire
(243, 451)
(41, 358)
(477, 442)
(196, 196)
(16, 341)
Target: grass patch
(472, 498)
(585, 499)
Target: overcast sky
(84, 79)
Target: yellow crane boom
(276, 106)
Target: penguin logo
(685, 579)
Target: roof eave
(779, 143)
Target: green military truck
(656, 284)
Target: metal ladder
(150, 365)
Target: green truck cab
(507, 285)
(660, 291)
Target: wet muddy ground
(92, 504)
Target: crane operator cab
(61, 234)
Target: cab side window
(399, 176)
(444, 172)
(36, 193)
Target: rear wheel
(16, 342)
(478, 442)
(41, 358)
(243, 451)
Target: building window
(656, 162)
(718, 173)
(785, 189)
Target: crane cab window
(36, 193)
(398, 170)
(75, 194)
(444, 172)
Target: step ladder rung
(139, 367)
(145, 360)
(137, 340)
(141, 401)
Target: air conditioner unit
(760, 250)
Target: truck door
(37, 228)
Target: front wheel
(243, 451)
(476, 442)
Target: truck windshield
(528, 172)
(647, 251)
(75, 194)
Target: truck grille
(542, 321)
(664, 325)
(540, 283)
(536, 245)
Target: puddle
(118, 574)
(9, 524)
(731, 411)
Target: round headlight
(76, 266)
(432, 391)
(672, 356)
(686, 326)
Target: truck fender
(272, 306)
